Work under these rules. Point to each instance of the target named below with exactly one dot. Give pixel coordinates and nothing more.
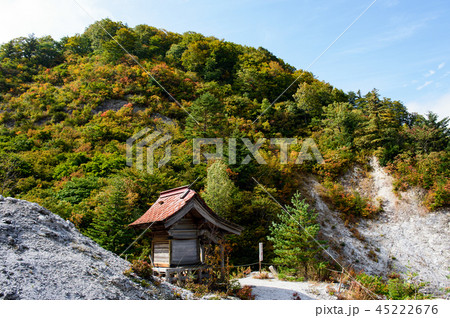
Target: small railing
(182, 273)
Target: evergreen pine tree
(109, 227)
(292, 237)
(208, 112)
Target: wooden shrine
(181, 226)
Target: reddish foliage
(245, 293)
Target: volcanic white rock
(43, 256)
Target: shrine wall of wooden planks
(177, 246)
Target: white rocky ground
(274, 289)
(44, 257)
(403, 238)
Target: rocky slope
(43, 256)
(404, 238)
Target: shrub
(245, 293)
(367, 286)
(262, 275)
(372, 255)
(350, 204)
(78, 189)
(218, 278)
(398, 289)
(72, 164)
(289, 275)
(142, 269)
(282, 276)
(357, 234)
(331, 290)
(241, 272)
(438, 196)
(296, 296)
(428, 171)
(199, 290)
(373, 283)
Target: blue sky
(401, 47)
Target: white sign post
(260, 255)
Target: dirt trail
(274, 289)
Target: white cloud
(391, 3)
(440, 106)
(399, 31)
(441, 65)
(430, 72)
(424, 85)
(47, 17)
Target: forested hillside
(67, 108)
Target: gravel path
(274, 289)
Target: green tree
(78, 189)
(220, 64)
(219, 190)
(101, 32)
(9, 50)
(30, 46)
(293, 237)
(176, 50)
(208, 111)
(127, 40)
(154, 42)
(194, 58)
(8, 172)
(49, 52)
(78, 44)
(340, 122)
(313, 97)
(259, 75)
(12, 168)
(370, 135)
(430, 134)
(109, 227)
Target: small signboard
(260, 252)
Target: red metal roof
(168, 203)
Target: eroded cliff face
(404, 238)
